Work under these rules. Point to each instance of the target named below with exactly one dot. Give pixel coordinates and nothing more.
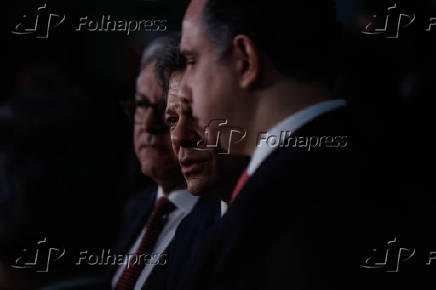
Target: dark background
(66, 156)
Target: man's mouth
(192, 166)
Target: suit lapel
(142, 212)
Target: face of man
(203, 169)
(151, 135)
(198, 166)
(211, 80)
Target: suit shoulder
(140, 200)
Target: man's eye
(190, 62)
(172, 121)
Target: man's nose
(184, 88)
(183, 135)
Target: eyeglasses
(136, 110)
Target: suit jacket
(305, 220)
(189, 238)
(137, 211)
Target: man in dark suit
(153, 215)
(304, 214)
(208, 174)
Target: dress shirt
(184, 202)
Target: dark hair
(299, 37)
(168, 61)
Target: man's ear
(247, 60)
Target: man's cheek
(136, 146)
(175, 149)
(195, 108)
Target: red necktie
(154, 226)
(241, 182)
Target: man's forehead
(147, 83)
(191, 22)
(173, 101)
(175, 80)
(189, 28)
(175, 98)
(174, 88)
(195, 9)
(145, 77)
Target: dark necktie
(154, 226)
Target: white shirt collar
(224, 207)
(289, 126)
(182, 198)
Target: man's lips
(192, 166)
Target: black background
(67, 161)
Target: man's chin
(197, 186)
(155, 150)
(163, 159)
(160, 170)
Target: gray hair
(154, 50)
